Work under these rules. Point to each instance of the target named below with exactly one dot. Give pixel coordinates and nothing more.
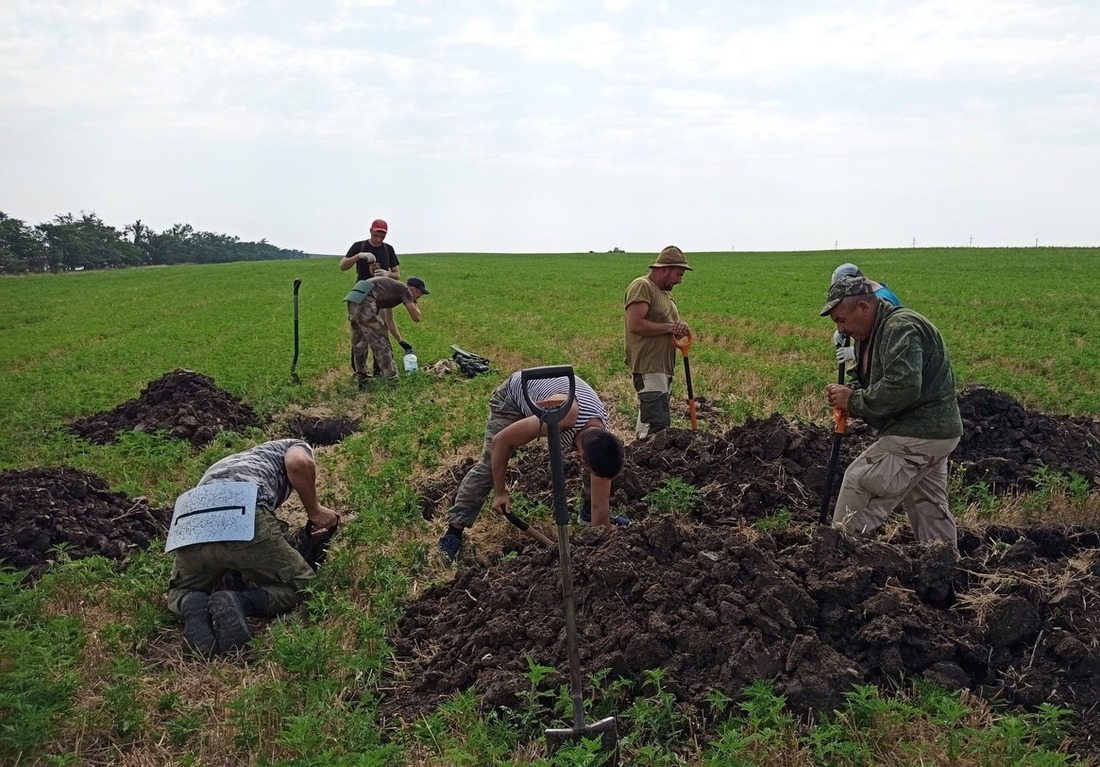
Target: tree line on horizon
(71, 243)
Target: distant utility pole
(971, 240)
(836, 244)
(1036, 242)
(914, 242)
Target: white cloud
(551, 96)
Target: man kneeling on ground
(214, 621)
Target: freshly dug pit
(321, 431)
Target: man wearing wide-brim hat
(652, 321)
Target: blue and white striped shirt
(589, 405)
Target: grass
(90, 667)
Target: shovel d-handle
(556, 413)
(552, 418)
(684, 344)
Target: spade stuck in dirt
(606, 730)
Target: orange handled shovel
(684, 345)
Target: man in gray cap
(904, 389)
(845, 351)
(652, 321)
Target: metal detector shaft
(294, 362)
(840, 420)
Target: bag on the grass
(469, 363)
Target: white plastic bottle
(410, 363)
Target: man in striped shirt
(513, 424)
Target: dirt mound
(718, 598)
(1003, 444)
(769, 465)
(47, 507)
(719, 606)
(184, 404)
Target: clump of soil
(184, 404)
(702, 592)
(47, 507)
(320, 431)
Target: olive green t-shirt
(651, 354)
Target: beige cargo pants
(898, 470)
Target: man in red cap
(375, 257)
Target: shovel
(294, 362)
(685, 347)
(605, 730)
(840, 421)
(534, 532)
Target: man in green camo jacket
(904, 388)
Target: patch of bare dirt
(183, 404)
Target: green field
(1023, 321)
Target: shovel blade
(606, 730)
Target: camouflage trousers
(654, 410)
(368, 331)
(267, 561)
(478, 482)
(897, 470)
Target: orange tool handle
(684, 345)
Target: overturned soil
(719, 595)
(183, 404)
(47, 512)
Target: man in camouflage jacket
(905, 390)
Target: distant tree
(21, 247)
(70, 243)
(86, 243)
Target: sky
(559, 125)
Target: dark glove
(314, 548)
(406, 346)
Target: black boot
(229, 609)
(198, 635)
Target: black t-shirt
(386, 255)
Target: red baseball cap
(380, 225)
